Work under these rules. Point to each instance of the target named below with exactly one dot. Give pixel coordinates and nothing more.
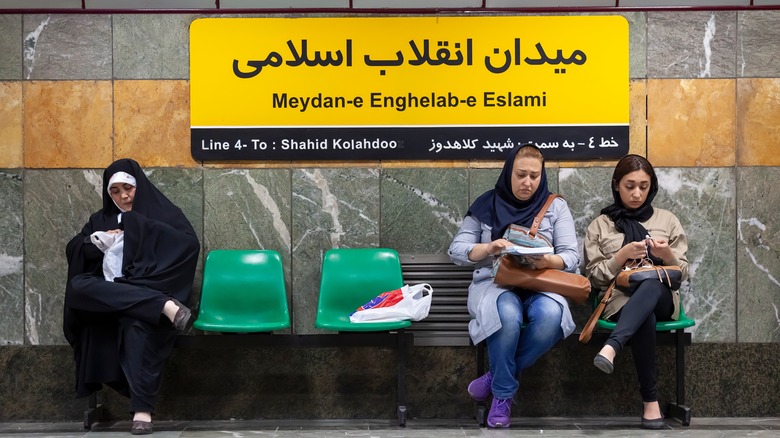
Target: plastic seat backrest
(353, 276)
(243, 290)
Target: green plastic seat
(681, 323)
(350, 278)
(243, 291)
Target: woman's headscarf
(500, 207)
(627, 220)
(148, 201)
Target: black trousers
(141, 339)
(651, 302)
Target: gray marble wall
(732, 292)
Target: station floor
(602, 427)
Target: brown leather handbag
(511, 273)
(634, 273)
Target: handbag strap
(538, 219)
(587, 331)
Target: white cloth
(120, 177)
(112, 246)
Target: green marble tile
(757, 49)
(249, 209)
(67, 46)
(11, 258)
(151, 46)
(758, 255)
(691, 45)
(637, 22)
(637, 41)
(422, 209)
(704, 201)
(331, 208)
(10, 47)
(57, 204)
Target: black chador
(116, 328)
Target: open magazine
(521, 253)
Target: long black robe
(116, 329)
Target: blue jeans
(512, 349)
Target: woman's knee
(510, 309)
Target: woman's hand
(495, 247)
(117, 231)
(484, 250)
(633, 250)
(546, 261)
(660, 248)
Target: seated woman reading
(129, 270)
(499, 312)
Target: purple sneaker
(479, 388)
(499, 412)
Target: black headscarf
(500, 207)
(627, 220)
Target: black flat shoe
(142, 428)
(655, 424)
(603, 364)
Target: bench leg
(480, 409)
(677, 409)
(94, 412)
(401, 391)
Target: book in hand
(521, 252)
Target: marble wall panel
(57, 204)
(67, 46)
(151, 46)
(421, 209)
(67, 124)
(691, 44)
(11, 258)
(249, 209)
(758, 110)
(757, 48)
(637, 37)
(11, 152)
(703, 200)
(691, 122)
(758, 255)
(10, 47)
(331, 208)
(152, 122)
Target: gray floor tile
(550, 427)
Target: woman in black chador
(129, 270)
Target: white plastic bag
(406, 303)
(112, 246)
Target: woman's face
(526, 176)
(633, 188)
(123, 195)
